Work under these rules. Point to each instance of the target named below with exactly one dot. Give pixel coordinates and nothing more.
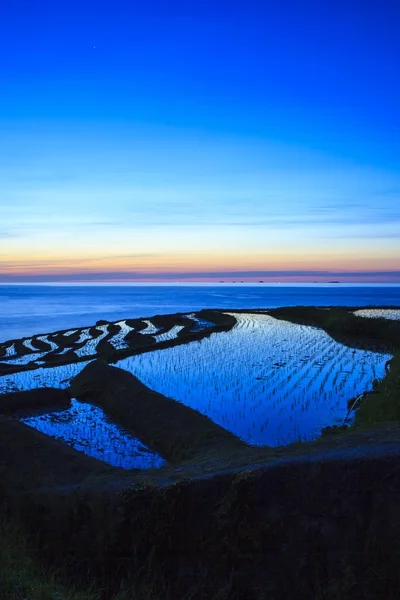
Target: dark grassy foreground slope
(311, 521)
(20, 575)
(320, 527)
(23, 578)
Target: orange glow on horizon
(159, 264)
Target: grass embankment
(172, 429)
(383, 404)
(23, 578)
(50, 398)
(31, 459)
(318, 529)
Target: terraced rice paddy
(268, 381)
(199, 323)
(25, 359)
(86, 428)
(86, 344)
(58, 377)
(118, 340)
(379, 313)
(169, 335)
(150, 329)
(90, 348)
(45, 339)
(70, 332)
(10, 351)
(83, 426)
(84, 336)
(28, 344)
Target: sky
(201, 140)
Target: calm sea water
(30, 309)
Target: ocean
(32, 309)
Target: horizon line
(289, 276)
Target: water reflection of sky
(58, 377)
(267, 381)
(200, 323)
(86, 427)
(379, 313)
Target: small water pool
(87, 428)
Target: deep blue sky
(163, 136)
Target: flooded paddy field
(269, 382)
(104, 339)
(58, 377)
(86, 428)
(379, 313)
(83, 426)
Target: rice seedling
(224, 378)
